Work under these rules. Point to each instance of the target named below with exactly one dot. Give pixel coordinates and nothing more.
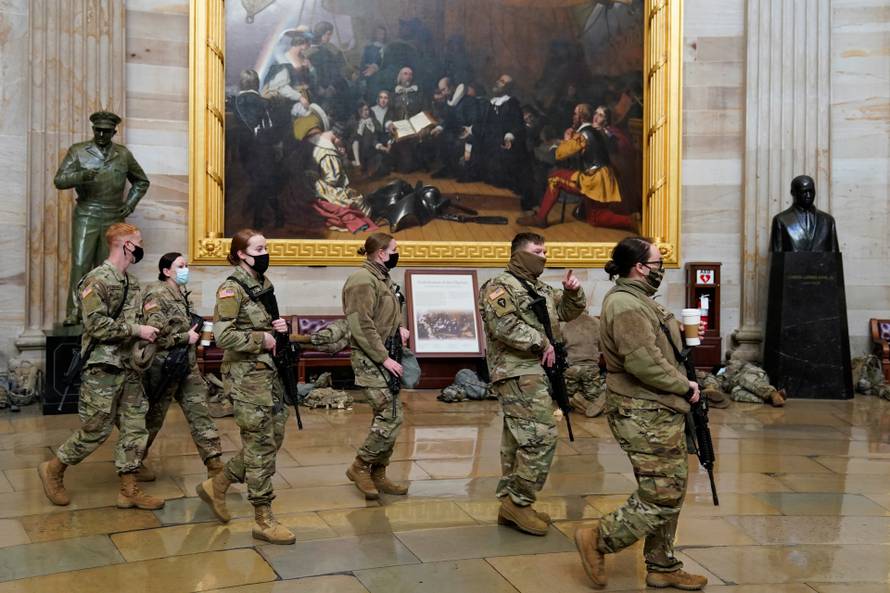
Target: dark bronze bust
(802, 227)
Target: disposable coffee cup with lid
(691, 319)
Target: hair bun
(611, 268)
(361, 251)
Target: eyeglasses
(660, 263)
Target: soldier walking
(243, 329)
(647, 398)
(166, 305)
(373, 308)
(518, 350)
(111, 391)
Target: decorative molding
(786, 134)
(662, 144)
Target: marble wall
(713, 164)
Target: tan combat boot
(51, 473)
(360, 473)
(214, 466)
(593, 560)
(523, 518)
(777, 398)
(679, 579)
(384, 484)
(213, 492)
(270, 530)
(145, 474)
(131, 495)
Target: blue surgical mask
(182, 276)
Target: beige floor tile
(850, 587)
(568, 484)
(588, 464)
(746, 483)
(464, 488)
(194, 510)
(334, 454)
(847, 465)
(480, 541)
(850, 483)
(24, 458)
(321, 498)
(814, 530)
(5, 484)
(808, 447)
(594, 446)
(801, 563)
(62, 525)
(171, 443)
(758, 463)
(756, 430)
(344, 554)
(400, 517)
(88, 475)
(12, 533)
(881, 499)
(332, 475)
(180, 540)
(187, 574)
(31, 560)
(692, 531)
(335, 583)
(698, 505)
(466, 467)
(466, 576)
(811, 503)
(35, 439)
(568, 508)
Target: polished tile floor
(804, 507)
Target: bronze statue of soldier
(98, 171)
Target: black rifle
(556, 372)
(75, 367)
(286, 352)
(176, 366)
(394, 350)
(697, 417)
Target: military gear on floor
(270, 530)
(328, 398)
(145, 474)
(383, 484)
(4, 395)
(523, 518)
(592, 559)
(27, 384)
(213, 492)
(51, 475)
(332, 338)
(678, 579)
(131, 495)
(360, 474)
(467, 385)
(868, 377)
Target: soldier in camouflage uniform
(647, 398)
(243, 329)
(744, 382)
(518, 350)
(373, 308)
(111, 391)
(166, 305)
(585, 383)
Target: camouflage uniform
(743, 381)
(584, 382)
(374, 313)
(645, 407)
(250, 379)
(516, 341)
(169, 310)
(111, 391)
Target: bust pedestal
(807, 344)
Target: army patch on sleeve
(150, 306)
(225, 293)
(496, 293)
(500, 302)
(86, 292)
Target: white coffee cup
(691, 319)
(207, 333)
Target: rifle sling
(91, 345)
(540, 312)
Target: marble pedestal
(807, 345)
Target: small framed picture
(442, 314)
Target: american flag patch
(226, 293)
(150, 305)
(86, 292)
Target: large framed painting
(452, 124)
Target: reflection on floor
(804, 506)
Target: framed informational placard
(442, 313)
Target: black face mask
(260, 263)
(138, 253)
(392, 261)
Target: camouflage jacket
(168, 309)
(100, 294)
(373, 313)
(239, 323)
(516, 339)
(640, 362)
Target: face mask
(182, 276)
(528, 263)
(138, 253)
(655, 276)
(392, 261)
(260, 263)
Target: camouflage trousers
(655, 442)
(381, 439)
(109, 397)
(262, 432)
(191, 395)
(750, 384)
(586, 388)
(528, 441)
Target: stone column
(77, 53)
(786, 134)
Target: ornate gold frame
(662, 141)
